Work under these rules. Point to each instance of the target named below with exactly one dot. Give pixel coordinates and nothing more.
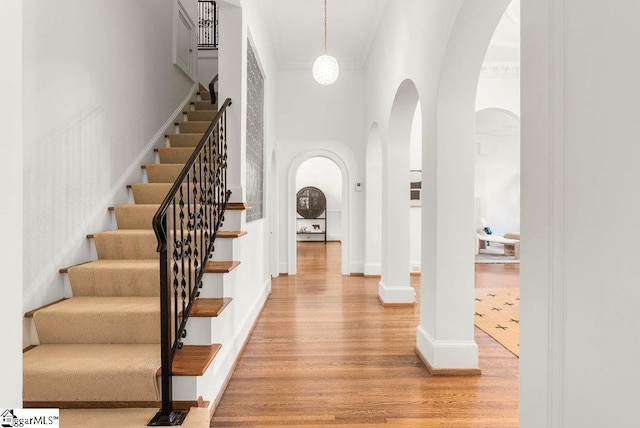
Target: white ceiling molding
(500, 70)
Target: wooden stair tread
(226, 234)
(33, 311)
(135, 206)
(66, 269)
(237, 206)
(193, 360)
(220, 267)
(161, 165)
(209, 307)
(132, 233)
(179, 405)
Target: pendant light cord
(325, 27)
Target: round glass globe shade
(326, 70)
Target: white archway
(395, 283)
(497, 170)
(445, 336)
(291, 207)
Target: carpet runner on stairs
(102, 345)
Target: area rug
(497, 313)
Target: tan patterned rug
(497, 313)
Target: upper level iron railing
(207, 24)
(186, 225)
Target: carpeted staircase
(100, 348)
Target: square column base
(388, 296)
(447, 357)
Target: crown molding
(500, 70)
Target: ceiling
(297, 27)
(298, 30)
(505, 43)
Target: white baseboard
(284, 268)
(372, 269)
(396, 295)
(447, 354)
(356, 267)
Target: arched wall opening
(373, 201)
(445, 336)
(415, 197)
(395, 284)
(324, 174)
(497, 172)
(291, 207)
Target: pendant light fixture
(325, 68)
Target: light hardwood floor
(326, 352)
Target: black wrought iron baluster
(197, 183)
(203, 200)
(191, 232)
(176, 270)
(192, 185)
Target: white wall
(207, 66)
(312, 116)
(499, 92)
(415, 163)
(373, 208)
(99, 85)
(415, 145)
(324, 174)
(579, 306)
(240, 22)
(11, 213)
(497, 183)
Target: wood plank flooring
(326, 352)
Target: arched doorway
(445, 336)
(415, 197)
(291, 207)
(323, 174)
(497, 172)
(395, 283)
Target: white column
(395, 283)
(445, 337)
(232, 71)
(579, 292)
(11, 213)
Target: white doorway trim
(292, 252)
